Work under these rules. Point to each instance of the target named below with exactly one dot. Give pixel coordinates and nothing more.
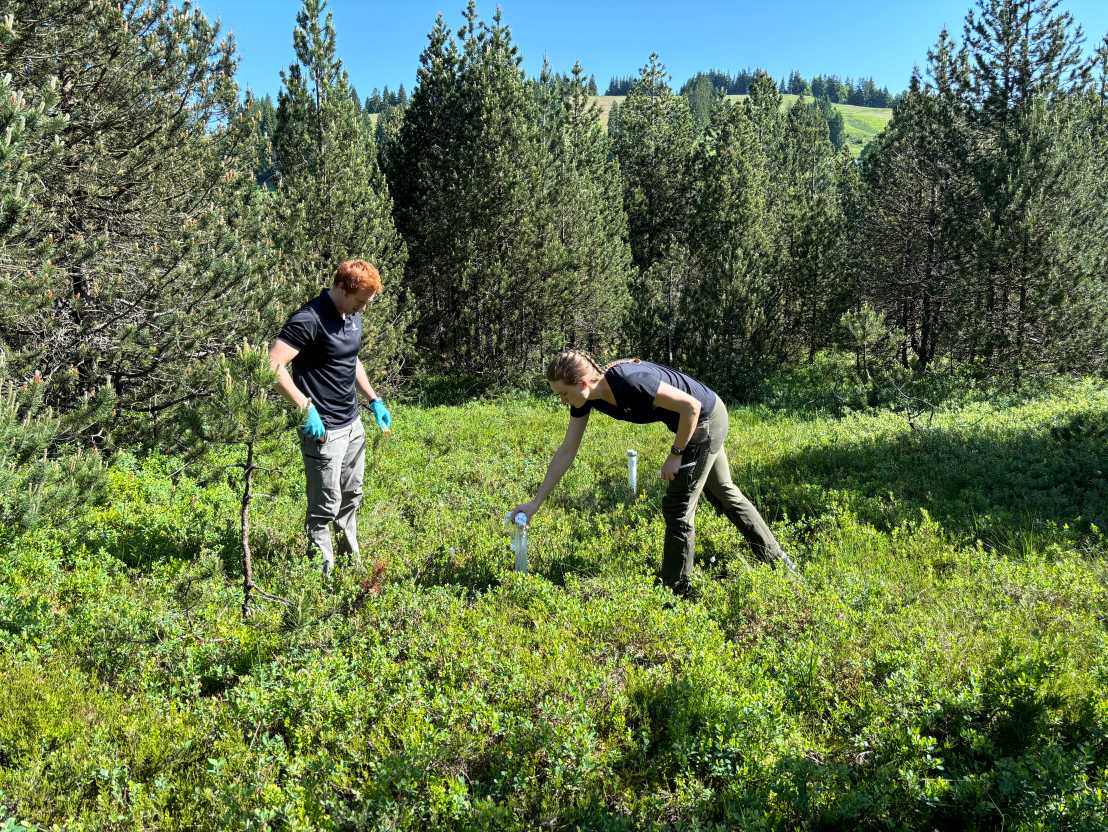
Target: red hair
(357, 276)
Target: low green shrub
(942, 663)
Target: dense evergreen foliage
(382, 100)
(739, 235)
(132, 244)
(652, 137)
(862, 92)
(974, 227)
(262, 115)
(986, 217)
(509, 206)
(584, 191)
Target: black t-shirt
(634, 386)
(326, 365)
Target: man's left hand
(381, 414)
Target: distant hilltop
(860, 124)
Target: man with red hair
(321, 341)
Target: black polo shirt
(634, 386)
(325, 368)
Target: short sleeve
(641, 386)
(578, 412)
(300, 329)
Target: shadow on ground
(995, 488)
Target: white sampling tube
(519, 539)
(633, 471)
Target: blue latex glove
(313, 425)
(381, 414)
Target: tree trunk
(244, 522)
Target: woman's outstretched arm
(559, 464)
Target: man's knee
(323, 509)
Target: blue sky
(380, 42)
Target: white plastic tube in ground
(519, 539)
(633, 471)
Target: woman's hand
(527, 508)
(671, 466)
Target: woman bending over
(643, 392)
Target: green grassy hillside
(942, 664)
(860, 124)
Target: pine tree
(870, 93)
(585, 193)
(247, 417)
(731, 311)
(923, 210)
(855, 94)
(651, 118)
(32, 127)
(620, 86)
(333, 201)
(45, 475)
(145, 203)
(386, 130)
(810, 228)
(702, 96)
(742, 82)
(764, 108)
(262, 115)
(469, 177)
(834, 119)
(1023, 68)
(1064, 306)
(613, 120)
(653, 139)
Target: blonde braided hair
(571, 366)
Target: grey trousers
(708, 470)
(334, 471)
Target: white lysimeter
(519, 538)
(633, 471)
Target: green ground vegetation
(942, 664)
